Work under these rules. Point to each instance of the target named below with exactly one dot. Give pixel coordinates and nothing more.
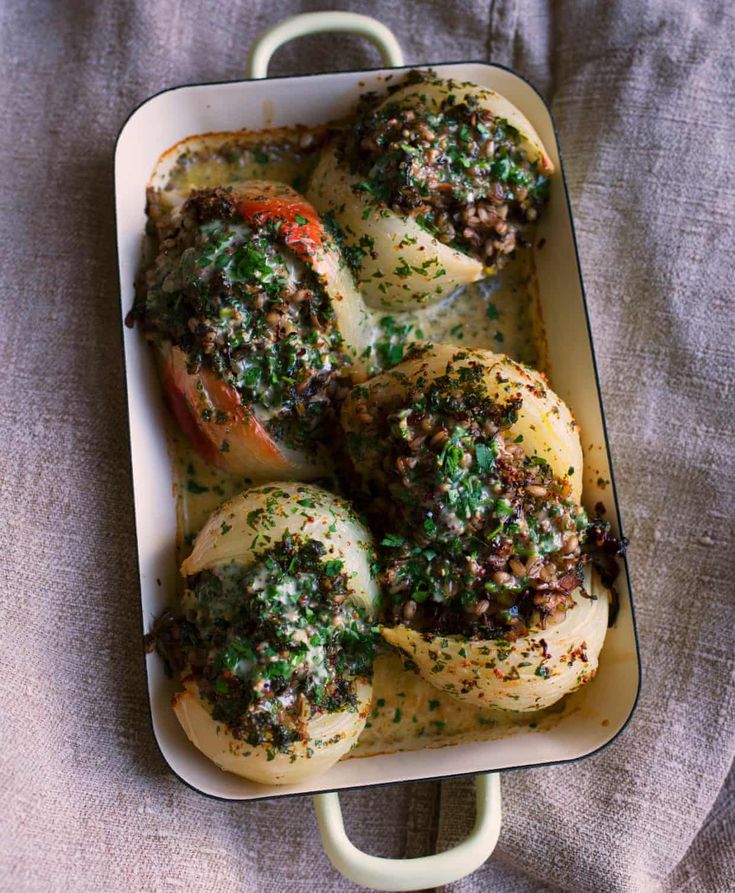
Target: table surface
(642, 96)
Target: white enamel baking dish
(603, 707)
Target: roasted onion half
(473, 468)
(432, 188)
(272, 640)
(258, 325)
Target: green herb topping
(237, 301)
(271, 644)
(460, 172)
(476, 536)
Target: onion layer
(398, 243)
(530, 673)
(245, 526)
(328, 737)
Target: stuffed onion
(473, 468)
(257, 324)
(432, 188)
(272, 641)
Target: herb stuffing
(476, 537)
(237, 301)
(272, 644)
(461, 172)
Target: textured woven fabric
(642, 95)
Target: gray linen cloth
(643, 97)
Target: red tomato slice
(300, 227)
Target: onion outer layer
(530, 673)
(329, 737)
(430, 269)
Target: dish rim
(622, 558)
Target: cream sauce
(410, 714)
(499, 315)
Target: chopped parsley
(435, 158)
(225, 295)
(258, 639)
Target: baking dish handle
(315, 22)
(424, 871)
